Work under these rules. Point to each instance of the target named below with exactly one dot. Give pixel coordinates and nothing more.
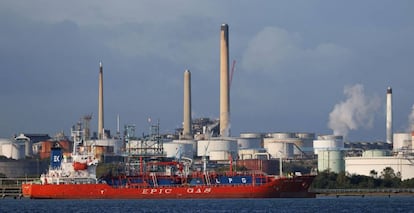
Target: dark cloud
(293, 61)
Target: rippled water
(321, 204)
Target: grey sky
(293, 61)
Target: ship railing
(71, 180)
(16, 181)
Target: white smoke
(356, 111)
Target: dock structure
(12, 187)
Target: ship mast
(77, 134)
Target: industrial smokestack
(389, 115)
(224, 82)
(187, 133)
(100, 104)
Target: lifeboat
(79, 166)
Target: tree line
(386, 179)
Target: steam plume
(356, 111)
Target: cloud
(276, 49)
(109, 13)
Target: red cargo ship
(75, 178)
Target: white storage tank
(251, 135)
(249, 143)
(307, 142)
(220, 156)
(204, 147)
(13, 150)
(328, 142)
(374, 153)
(245, 154)
(22, 139)
(401, 141)
(303, 142)
(281, 135)
(178, 148)
(4, 141)
(331, 160)
(280, 149)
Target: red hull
(278, 188)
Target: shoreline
(366, 194)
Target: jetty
(12, 187)
(364, 192)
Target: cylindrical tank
(332, 160)
(219, 155)
(329, 142)
(280, 149)
(2, 142)
(177, 149)
(205, 146)
(290, 137)
(374, 153)
(307, 142)
(13, 150)
(281, 135)
(27, 143)
(251, 135)
(245, 154)
(249, 143)
(401, 141)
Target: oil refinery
(207, 139)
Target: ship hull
(277, 188)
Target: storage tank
(22, 139)
(374, 153)
(250, 141)
(280, 149)
(245, 154)
(401, 141)
(286, 142)
(204, 147)
(281, 135)
(307, 142)
(328, 142)
(178, 148)
(332, 160)
(285, 137)
(13, 150)
(4, 141)
(220, 156)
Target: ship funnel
(55, 157)
(224, 82)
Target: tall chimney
(100, 104)
(224, 82)
(187, 133)
(389, 115)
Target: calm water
(323, 204)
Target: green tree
(389, 178)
